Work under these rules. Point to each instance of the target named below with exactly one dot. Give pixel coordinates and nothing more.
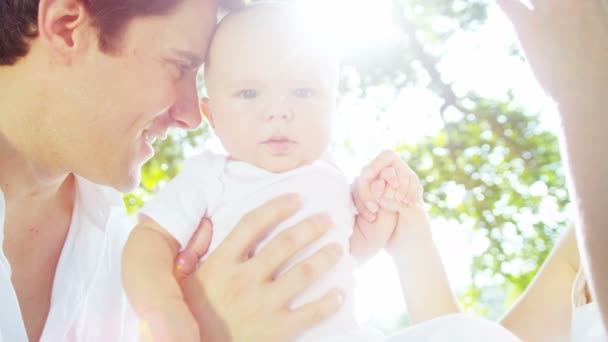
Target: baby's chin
(279, 164)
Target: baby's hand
(387, 183)
(406, 195)
(385, 189)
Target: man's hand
(234, 296)
(187, 260)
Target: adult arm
(392, 193)
(547, 300)
(566, 43)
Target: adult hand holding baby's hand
(234, 297)
(387, 183)
(387, 194)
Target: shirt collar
(94, 200)
(97, 201)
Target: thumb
(187, 260)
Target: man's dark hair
(19, 19)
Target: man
(85, 89)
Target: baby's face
(272, 91)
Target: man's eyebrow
(193, 59)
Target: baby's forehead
(271, 42)
(271, 26)
(272, 15)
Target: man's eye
(303, 92)
(179, 69)
(247, 93)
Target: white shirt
(224, 190)
(87, 300)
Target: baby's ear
(204, 106)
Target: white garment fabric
(213, 186)
(458, 327)
(87, 300)
(587, 324)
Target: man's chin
(127, 187)
(128, 183)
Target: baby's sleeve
(181, 204)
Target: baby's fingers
(378, 187)
(389, 175)
(367, 208)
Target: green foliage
(481, 171)
(487, 159)
(164, 166)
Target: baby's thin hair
(257, 5)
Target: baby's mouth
(279, 145)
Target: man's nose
(185, 113)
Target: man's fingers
(306, 272)
(281, 248)
(187, 260)
(243, 238)
(311, 314)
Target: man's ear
(206, 110)
(65, 26)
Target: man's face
(118, 103)
(271, 93)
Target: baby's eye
(303, 92)
(247, 94)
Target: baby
(272, 86)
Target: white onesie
(224, 190)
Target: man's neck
(26, 175)
(39, 203)
(27, 181)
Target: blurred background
(443, 83)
